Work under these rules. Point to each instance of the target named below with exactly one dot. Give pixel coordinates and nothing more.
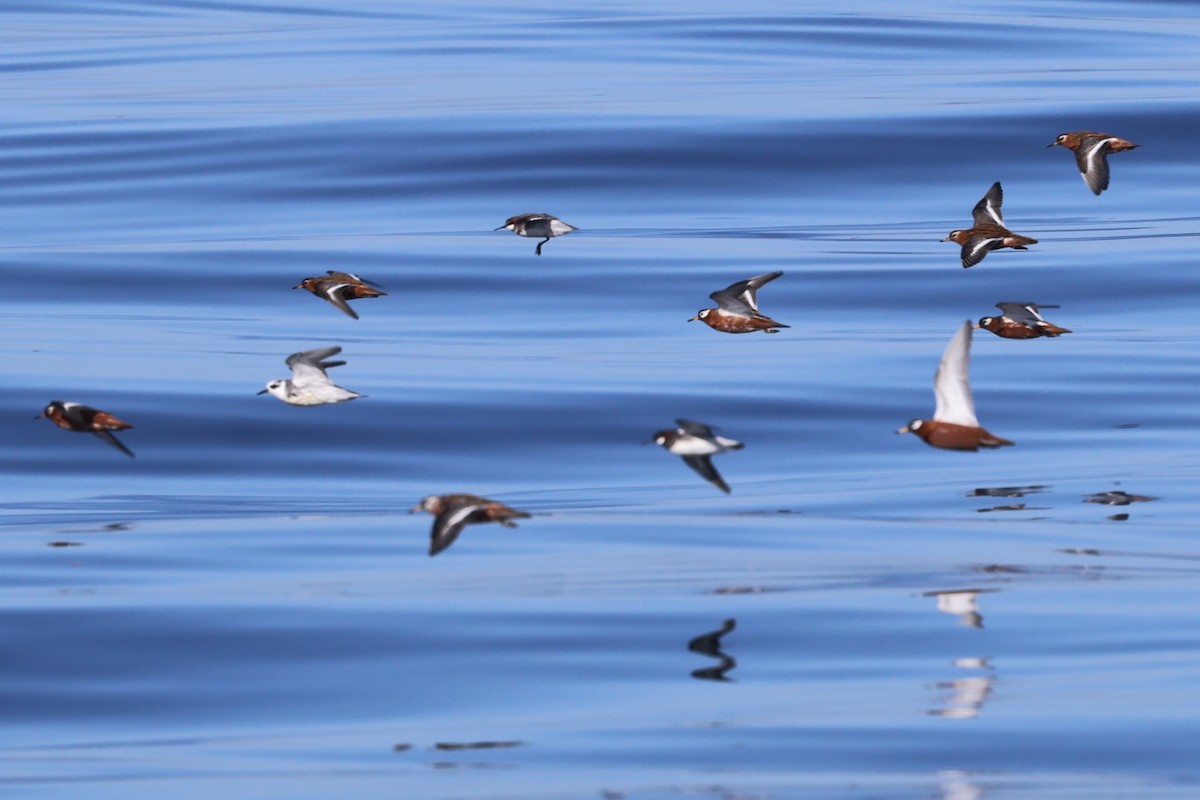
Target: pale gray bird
(309, 385)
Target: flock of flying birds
(953, 425)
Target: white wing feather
(951, 384)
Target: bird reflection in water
(1117, 498)
(958, 785)
(1008, 491)
(1013, 507)
(963, 698)
(709, 644)
(960, 603)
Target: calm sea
(247, 610)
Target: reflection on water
(1013, 507)
(709, 644)
(963, 698)
(960, 603)
(1117, 498)
(993, 569)
(483, 745)
(1008, 491)
(956, 785)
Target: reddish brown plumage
(1009, 329)
(986, 231)
(949, 436)
(719, 320)
(105, 421)
(453, 512)
(81, 418)
(339, 287)
(1073, 140)
(1091, 149)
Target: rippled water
(246, 609)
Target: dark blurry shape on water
(709, 644)
(246, 610)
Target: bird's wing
(333, 293)
(1026, 313)
(951, 384)
(1092, 160)
(978, 246)
(108, 437)
(448, 525)
(694, 428)
(704, 466)
(309, 366)
(988, 208)
(742, 297)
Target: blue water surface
(247, 609)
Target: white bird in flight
(309, 385)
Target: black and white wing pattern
(449, 524)
(1025, 313)
(742, 297)
(977, 246)
(987, 210)
(1092, 158)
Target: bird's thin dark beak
(502, 227)
(264, 391)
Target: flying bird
(1020, 321)
(696, 444)
(1091, 154)
(84, 419)
(737, 308)
(537, 226)
(989, 232)
(339, 287)
(954, 426)
(309, 385)
(453, 512)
